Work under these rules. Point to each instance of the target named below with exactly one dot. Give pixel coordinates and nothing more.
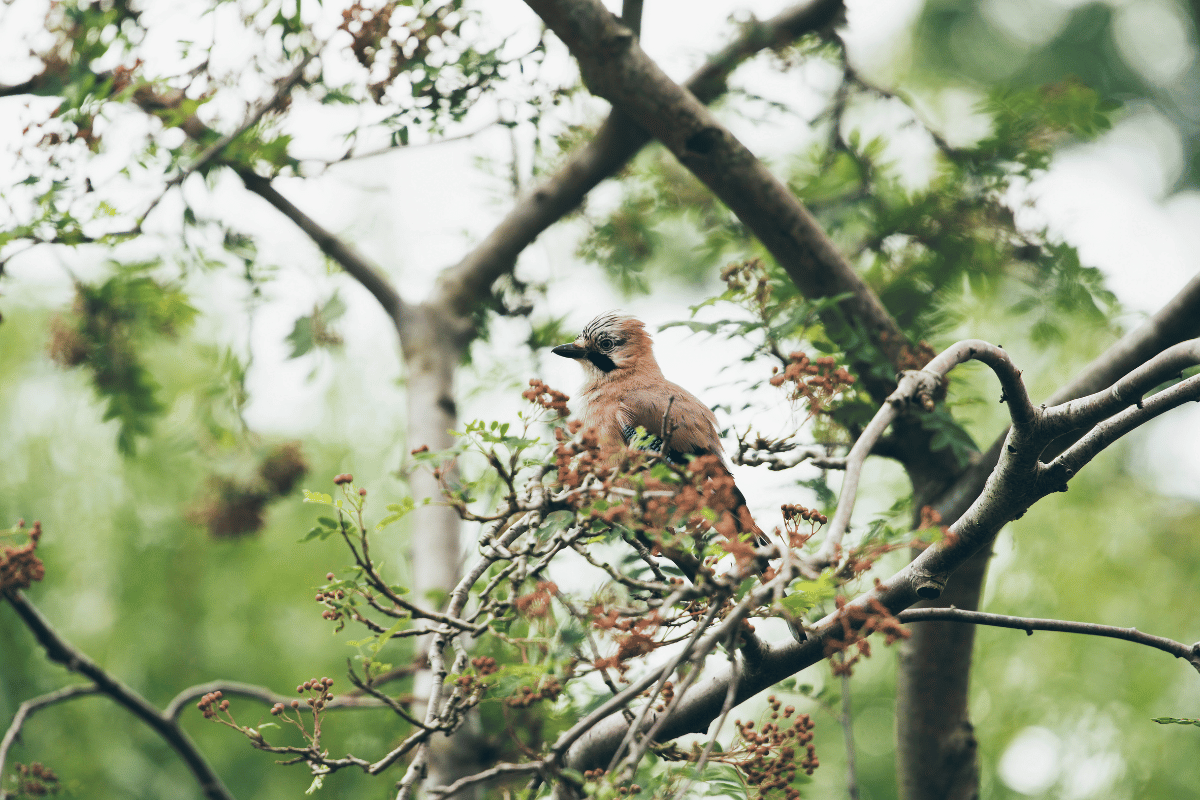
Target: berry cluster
(35, 780)
(211, 703)
(485, 665)
(527, 696)
(793, 516)
(772, 750)
(857, 623)
(321, 695)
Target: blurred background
(149, 569)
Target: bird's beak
(571, 350)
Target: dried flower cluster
(750, 279)
(857, 623)
(549, 689)
(236, 507)
(794, 515)
(19, 564)
(542, 395)
(818, 382)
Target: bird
(625, 389)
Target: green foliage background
(135, 582)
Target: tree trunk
(936, 750)
(433, 348)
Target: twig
(488, 774)
(1189, 653)
(350, 155)
(30, 707)
(666, 429)
(726, 707)
(252, 692)
(685, 652)
(212, 151)
(62, 652)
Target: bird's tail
(744, 523)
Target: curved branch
(919, 386)
(615, 67)
(1012, 487)
(62, 652)
(331, 245)
(497, 771)
(1189, 653)
(31, 707)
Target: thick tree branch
(1189, 653)
(615, 67)
(462, 287)
(62, 652)
(1018, 481)
(936, 748)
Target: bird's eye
(605, 343)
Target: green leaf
(317, 497)
(399, 511)
(1177, 721)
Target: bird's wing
(691, 425)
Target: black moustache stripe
(602, 362)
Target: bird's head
(612, 342)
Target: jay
(624, 389)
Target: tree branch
(62, 652)
(615, 67)
(31, 707)
(919, 387)
(1189, 653)
(333, 246)
(215, 149)
(460, 288)
(497, 771)
(262, 694)
(1017, 482)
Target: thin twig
(1190, 653)
(60, 651)
(488, 774)
(250, 691)
(212, 151)
(30, 707)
